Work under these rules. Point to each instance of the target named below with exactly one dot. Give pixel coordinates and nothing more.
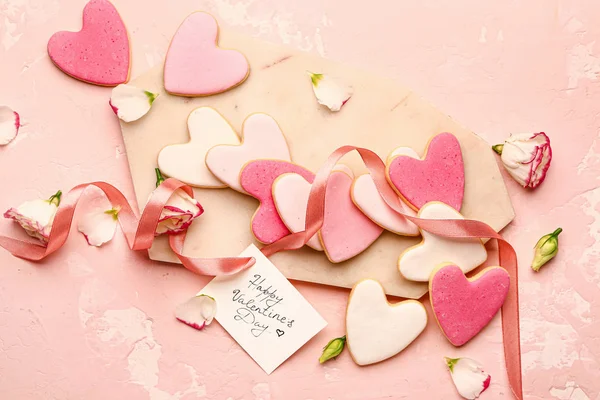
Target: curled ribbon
(140, 234)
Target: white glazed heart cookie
(261, 139)
(377, 330)
(418, 262)
(185, 162)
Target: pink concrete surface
(98, 323)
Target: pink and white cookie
(99, 53)
(367, 198)
(257, 179)
(346, 231)
(439, 176)
(196, 66)
(464, 306)
(261, 139)
(185, 161)
(416, 263)
(377, 330)
(290, 194)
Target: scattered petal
(36, 216)
(131, 103)
(99, 225)
(526, 157)
(469, 377)
(333, 349)
(10, 123)
(330, 92)
(198, 312)
(545, 249)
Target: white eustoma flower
(469, 377)
(131, 103)
(10, 122)
(36, 216)
(179, 212)
(330, 92)
(526, 157)
(198, 312)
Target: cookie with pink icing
(346, 231)
(262, 138)
(439, 176)
(464, 306)
(99, 53)
(257, 179)
(196, 66)
(367, 198)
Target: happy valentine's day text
(259, 302)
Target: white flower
(99, 225)
(36, 216)
(10, 123)
(330, 92)
(198, 312)
(469, 377)
(526, 157)
(131, 103)
(179, 212)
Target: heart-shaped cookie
(462, 306)
(346, 231)
(186, 161)
(261, 139)
(416, 263)
(439, 176)
(257, 179)
(195, 66)
(97, 54)
(366, 197)
(377, 330)
(290, 194)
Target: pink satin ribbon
(139, 233)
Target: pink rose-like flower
(526, 157)
(36, 216)
(179, 212)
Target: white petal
(179, 212)
(330, 92)
(35, 216)
(197, 312)
(9, 125)
(469, 378)
(131, 103)
(98, 226)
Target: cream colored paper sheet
(381, 116)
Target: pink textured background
(98, 324)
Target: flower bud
(545, 249)
(333, 349)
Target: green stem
(557, 232)
(159, 177)
(498, 148)
(55, 198)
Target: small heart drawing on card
(279, 332)
(439, 176)
(377, 330)
(346, 231)
(464, 306)
(99, 53)
(196, 66)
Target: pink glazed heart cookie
(99, 53)
(257, 179)
(464, 306)
(346, 231)
(439, 176)
(195, 66)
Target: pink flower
(179, 212)
(468, 376)
(198, 312)
(36, 216)
(526, 157)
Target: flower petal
(131, 103)
(98, 226)
(330, 92)
(468, 376)
(10, 123)
(178, 214)
(198, 312)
